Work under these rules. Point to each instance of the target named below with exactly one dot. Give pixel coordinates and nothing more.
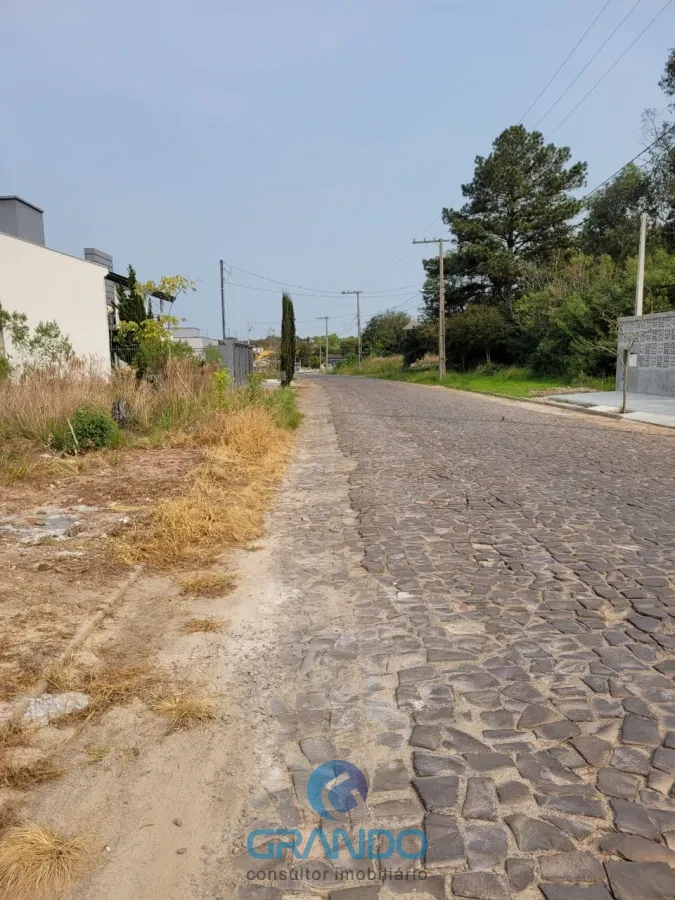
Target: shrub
(5, 368)
(488, 368)
(93, 429)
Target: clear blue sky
(307, 141)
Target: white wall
(49, 286)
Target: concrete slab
(650, 408)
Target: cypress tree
(287, 361)
(130, 301)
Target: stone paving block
(573, 866)
(664, 759)
(575, 892)
(640, 730)
(513, 793)
(573, 827)
(438, 791)
(520, 873)
(432, 886)
(488, 762)
(534, 834)
(426, 736)
(641, 881)
(594, 750)
(364, 892)
(445, 844)
(318, 749)
(426, 764)
(636, 849)
(480, 886)
(481, 799)
(486, 845)
(614, 783)
(634, 819)
(630, 759)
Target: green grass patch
(509, 382)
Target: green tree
(519, 209)
(420, 340)
(478, 330)
(384, 333)
(130, 301)
(287, 362)
(152, 345)
(612, 225)
(667, 83)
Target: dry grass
(108, 686)
(185, 710)
(207, 584)
(95, 754)
(11, 735)
(38, 863)
(21, 778)
(196, 626)
(227, 499)
(8, 817)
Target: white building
(47, 285)
(193, 337)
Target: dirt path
(212, 781)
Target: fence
(237, 358)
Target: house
(80, 295)
(47, 285)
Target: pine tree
(130, 302)
(287, 339)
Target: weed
(39, 863)
(207, 584)
(226, 502)
(20, 778)
(195, 626)
(95, 754)
(8, 817)
(185, 710)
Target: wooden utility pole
(358, 322)
(326, 318)
(222, 296)
(441, 302)
(640, 287)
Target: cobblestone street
(483, 620)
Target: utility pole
(222, 296)
(358, 322)
(326, 318)
(441, 302)
(640, 287)
(248, 333)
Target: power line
(393, 292)
(562, 64)
(614, 64)
(284, 283)
(579, 74)
(630, 162)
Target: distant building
(195, 338)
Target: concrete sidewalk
(650, 408)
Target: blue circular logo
(335, 787)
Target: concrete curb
(76, 641)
